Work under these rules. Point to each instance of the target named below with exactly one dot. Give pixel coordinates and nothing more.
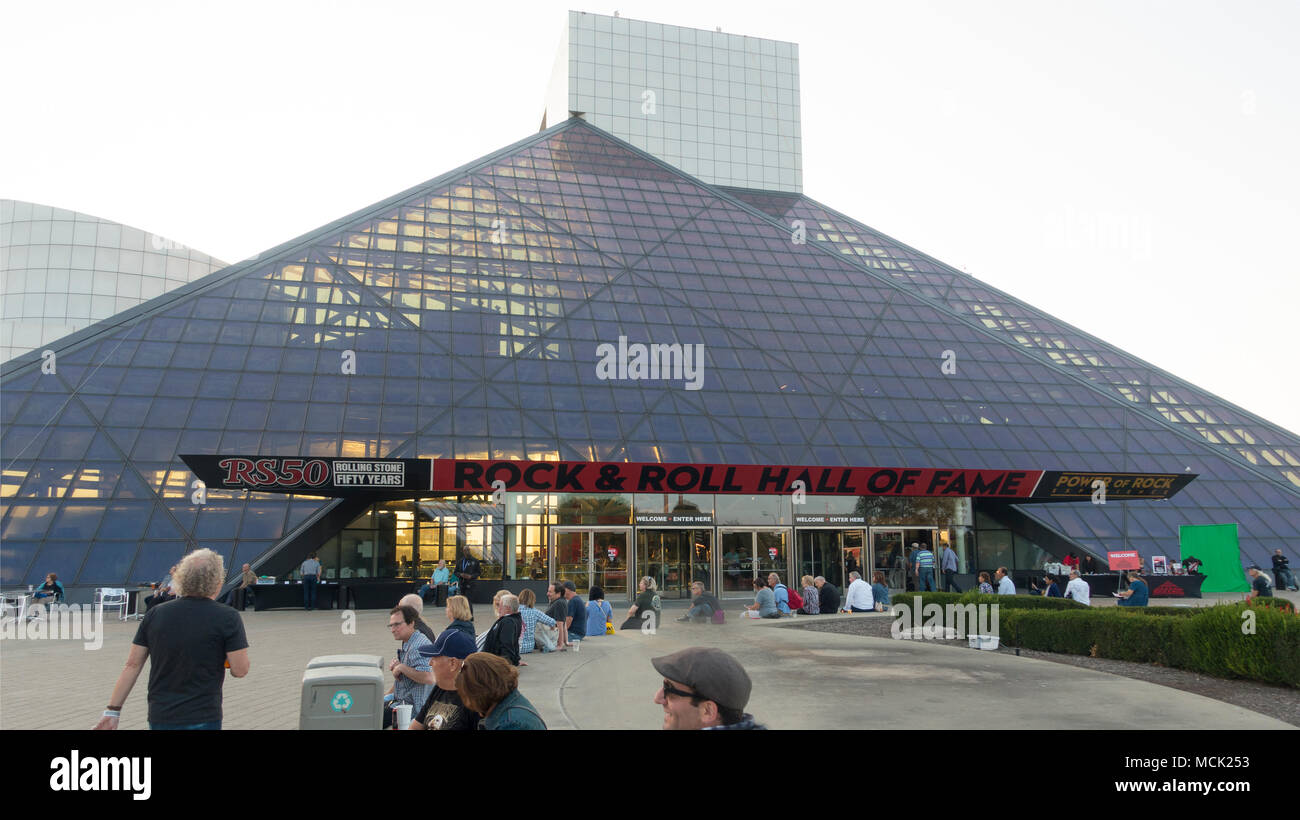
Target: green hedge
(1210, 640)
(1004, 601)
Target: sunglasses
(669, 689)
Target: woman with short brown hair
(489, 685)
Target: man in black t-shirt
(191, 639)
(1259, 584)
(443, 711)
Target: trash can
(440, 594)
(346, 660)
(342, 697)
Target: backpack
(719, 617)
(796, 601)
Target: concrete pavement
(802, 679)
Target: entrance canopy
(340, 477)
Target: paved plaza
(802, 680)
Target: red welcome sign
(1127, 559)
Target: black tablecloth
(1174, 586)
(279, 596)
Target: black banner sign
(313, 476)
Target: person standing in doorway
(310, 575)
(950, 569)
(924, 565)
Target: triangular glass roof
(474, 304)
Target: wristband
(112, 713)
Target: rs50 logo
(274, 472)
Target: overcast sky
(1128, 167)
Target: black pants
(949, 585)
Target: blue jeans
(309, 591)
(925, 581)
(700, 613)
(1285, 579)
(212, 726)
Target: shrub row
(1218, 640)
(1004, 601)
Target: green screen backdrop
(1216, 546)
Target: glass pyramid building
(474, 304)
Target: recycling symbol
(342, 701)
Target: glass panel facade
(476, 341)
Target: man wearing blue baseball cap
(443, 711)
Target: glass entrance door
(892, 553)
(751, 553)
(674, 558)
(592, 556)
(889, 557)
(832, 554)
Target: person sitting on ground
(559, 610)
(1005, 585)
(647, 606)
(828, 595)
(985, 587)
(481, 637)
(779, 590)
(532, 617)
(412, 677)
(599, 612)
(811, 600)
(705, 607)
(417, 603)
(575, 623)
(764, 605)
(490, 686)
(503, 636)
(459, 616)
(1259, 585)
(443, 710)
(857, 598)
(703, 688)
(1078, 589)
(879, 592)
(1137, 592)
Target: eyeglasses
(669, 689)
(394, 626)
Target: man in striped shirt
(924, 568)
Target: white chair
(111, 597)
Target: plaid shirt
(405, 689)
(528, 638)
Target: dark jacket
(503, 637)
(463, 626)
(513, 712)
(828, 598)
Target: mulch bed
(1278, 702)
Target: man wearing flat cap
(704, 689)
